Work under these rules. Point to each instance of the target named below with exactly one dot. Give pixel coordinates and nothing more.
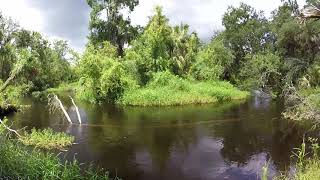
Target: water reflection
(232, 140)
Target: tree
(185, 49)
(246, 32)
(296, 42)
(162, 47)
(153, 49)
(7, 56)
(114, 28)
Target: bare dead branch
(77, 110)
(9, 129)
(63, 109)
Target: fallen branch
(9, 129)
(77, 110)
(63, 109)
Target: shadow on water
(231, 140)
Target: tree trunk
(77, 110)
(63, 109)
(6, 84)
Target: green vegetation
(307, 165)
(253, 52)
(47, 139)
(156, 70)
(303, 104)
(311, 170)
(167, 89)
(115, 28)
(19, 162)
(163, 65)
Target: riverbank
(169, 90)
(303, 105)
(19, 162)
(307, 163)
(28, 157)
(7, 109)
(166, 90)
(182, 94)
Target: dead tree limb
(77, 110)
(9, 129)
(63, 109)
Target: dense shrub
(102, 76)
(261, 70)
(212, 62)
(314, 74)
(114, 82)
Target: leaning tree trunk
(77, 110)
(6, 84)
(310, 12)
(15, 71)
(63, 109)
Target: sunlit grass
(47, 139)
(62, 88)
(181, 93)
(18, 161)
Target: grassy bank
(311, 171)
(307, 166)
(167, 90)
(25, 158)
(19, 162)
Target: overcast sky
(68, 19)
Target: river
(195, 142)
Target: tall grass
(166, 89)
(47, 139)
(307, 167)
(19, 162)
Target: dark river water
(221, 141)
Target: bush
(87, 90)
(212, 62)
(314, 74)
(103, 77)
(114, 82)
(260, 71)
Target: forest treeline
(158, 63)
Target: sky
(69, 19)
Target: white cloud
(27, 17)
